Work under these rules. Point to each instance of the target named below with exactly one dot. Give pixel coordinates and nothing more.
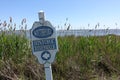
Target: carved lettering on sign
(42, 32)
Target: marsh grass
(16, 59)
(79, 58)
(82, 58)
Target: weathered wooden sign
(44, 43)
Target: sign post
(44, 43)
(48, 71)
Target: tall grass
(16, 59)
(79, 58)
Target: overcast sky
(80, 13)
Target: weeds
(79, 58)
(85, 56)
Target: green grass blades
(84, 57)
(13, 47)
(79, 58)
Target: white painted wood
(44, 43)
(48, 71)
(44, 40)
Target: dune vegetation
(79, 58)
